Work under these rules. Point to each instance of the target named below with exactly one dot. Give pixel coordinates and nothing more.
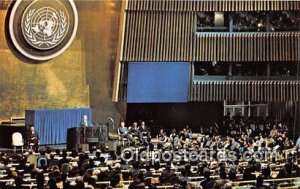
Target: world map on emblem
(42, 29)
(45, 27)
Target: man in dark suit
(168, 176)
(85, 122)
(144, 131)
(207, 182)
(135, 131)
(123, 131)
(33, 139)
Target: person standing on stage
(85, 121)
(33, 139)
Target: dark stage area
(176, 115)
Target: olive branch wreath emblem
(57, 37)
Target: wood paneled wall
(166, 31)
(245, 91)
(227, 5)
(158, 36)
(248, 47)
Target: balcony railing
(275, 90)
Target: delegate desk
(81, 135)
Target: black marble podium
(77, 136)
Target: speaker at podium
(92, 135)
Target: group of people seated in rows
(253, 136)
(140, 132)
(237, 124)
(277, 141)
(174, 158)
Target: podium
(78, 136)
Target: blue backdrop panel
(52, 125)
(158, 82)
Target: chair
(122, 139)
(53, 162)
(32, 159)
(30, 145)
(17, 141)
(146, 136)
(40, 160)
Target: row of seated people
(139, 174)
(252, 125)
(73, 170)
(139, 132)
(277, 138)
(143, 133)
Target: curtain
(52, 125)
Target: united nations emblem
(43, 29)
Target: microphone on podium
(111, 120)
